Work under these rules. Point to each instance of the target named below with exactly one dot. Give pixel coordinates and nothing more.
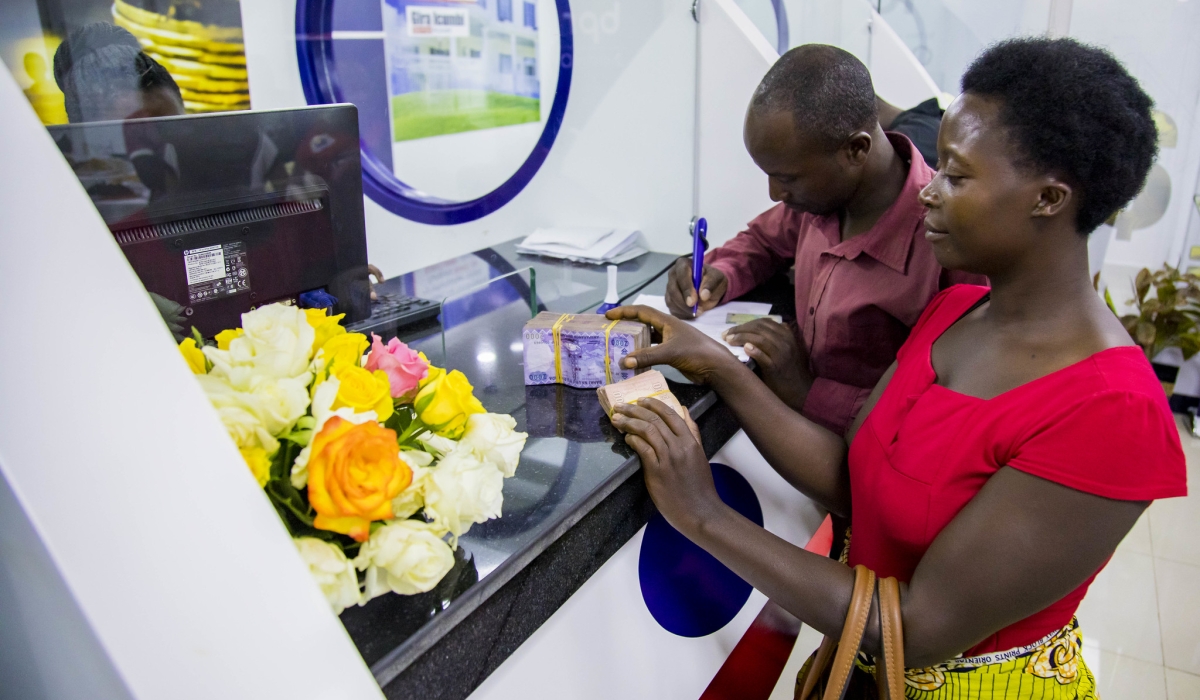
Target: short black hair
(827, 90)
(100, 59)
(1074, 111)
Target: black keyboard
(392, 312)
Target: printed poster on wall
(460, 65)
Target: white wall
(622, 158)
(734, 56)
(48, 650)
(175, 559)
(1155, 39)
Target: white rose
(412, 498)
(246, 430)
(276, 403)
(416, 458)
(461, 490)
(493, 438)
(436, 444)
(226, 368)
(405, 557)
(322, 411)
(279, 403)
(277, 339)
(332, 572)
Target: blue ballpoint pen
(699, 245)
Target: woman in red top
(1018, 436)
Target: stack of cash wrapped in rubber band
(648, 385)
(583, 351)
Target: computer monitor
(222, 213)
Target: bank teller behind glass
(1018, 436)
(848, 218)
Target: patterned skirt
(1051, 668)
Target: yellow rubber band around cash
(607, 359)
(657, 393)
(555, 331)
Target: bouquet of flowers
(376, 461)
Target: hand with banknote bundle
(683, 347)
(676, 470)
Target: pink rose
(405, 369)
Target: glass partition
(843, 23)
(946, 36)
(770, 16)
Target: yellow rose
(324, 325)
(363, 391)
(344, 350)
(354, 472)
(194, 357)
(224, 338)
(432, 374)
(445, 403)
(259, 463)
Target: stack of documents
(713, 322)
(599, 246)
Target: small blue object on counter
(317, 299)
(611, 299)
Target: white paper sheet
(712, 322)
(590, 245)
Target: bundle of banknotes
(650, 384)
(583, 351)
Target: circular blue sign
(314, 47)
(686, 589)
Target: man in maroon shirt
(848, 218)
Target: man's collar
(890, 240)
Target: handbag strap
(891, 630)
(852, 633)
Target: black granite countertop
(577, 495)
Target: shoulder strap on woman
(852, 633)
(890, 671)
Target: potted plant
(1168, 316)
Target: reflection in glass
(105, 76)
(220, 213)
(96, 60)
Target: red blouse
(1101, 426)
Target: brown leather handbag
(830, 675)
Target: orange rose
(354, 472)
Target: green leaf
(1144, 333)
(1189, 344)
(1109, 300)
(1141, 284)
